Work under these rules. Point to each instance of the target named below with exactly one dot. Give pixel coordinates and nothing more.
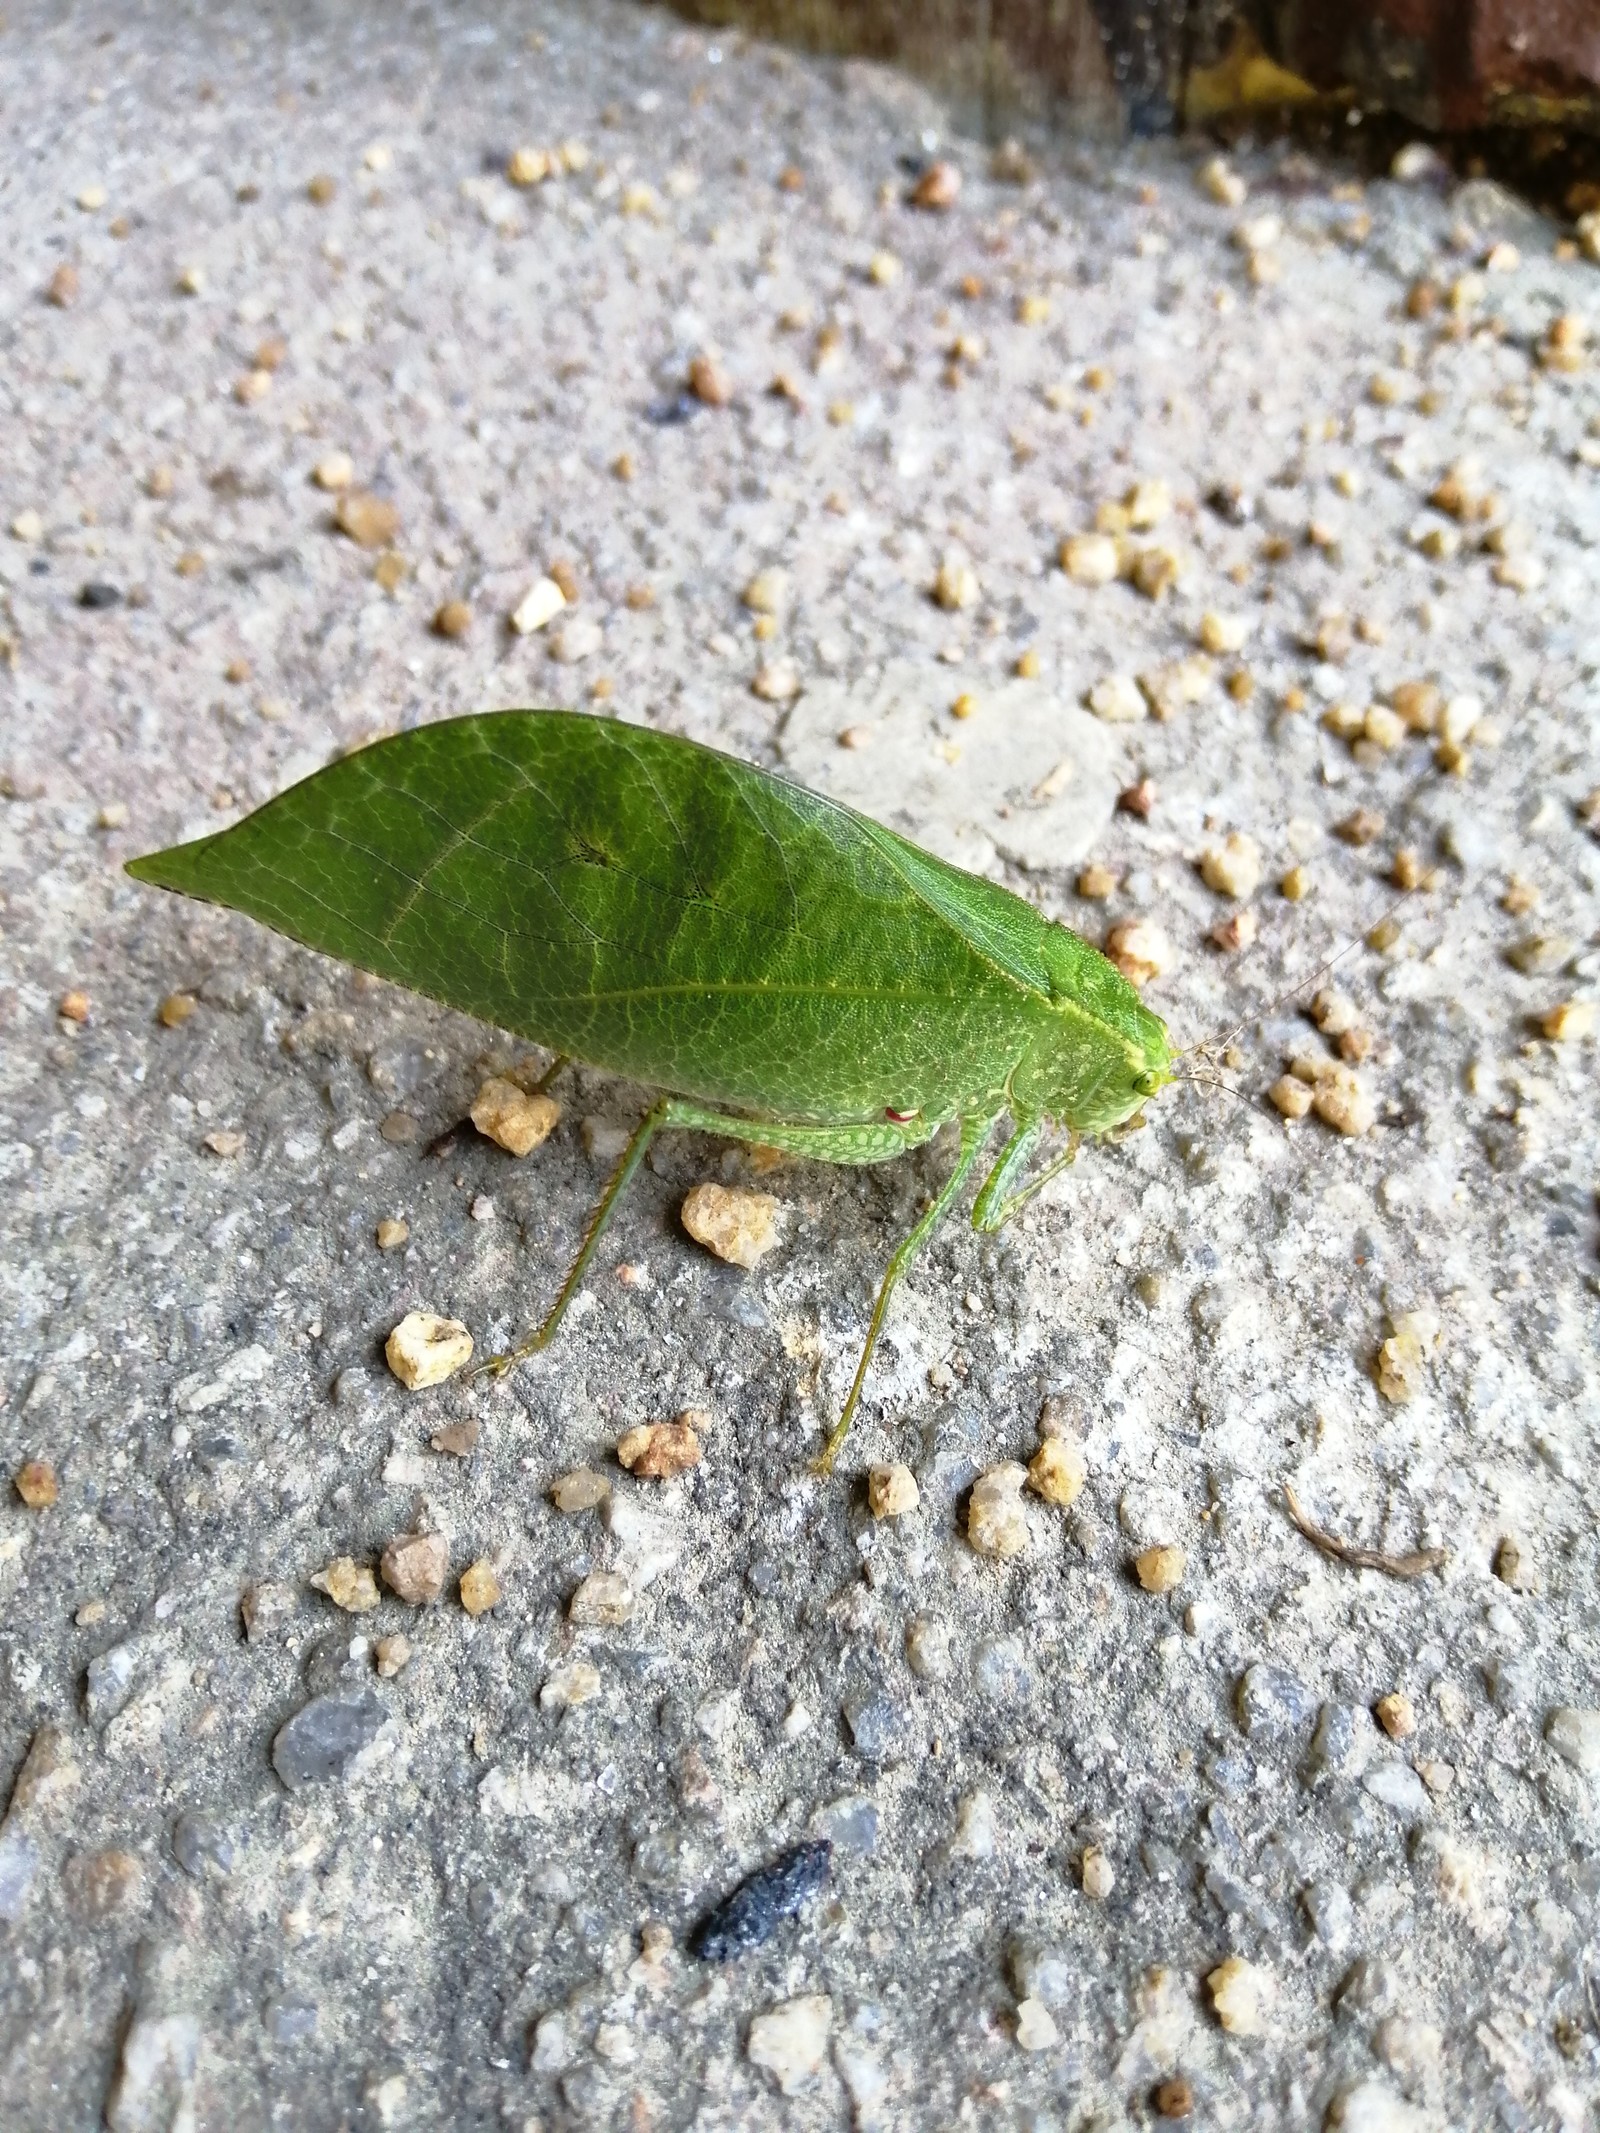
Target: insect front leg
(995, 1204)
(974, 1132)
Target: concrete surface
(482, 1920)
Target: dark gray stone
(325, 1736)
(202, 1847)
(1271, 1702)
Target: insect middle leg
(876, 1142)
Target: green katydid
(791, 973)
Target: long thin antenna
(1206, 1044)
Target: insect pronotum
(787, 971)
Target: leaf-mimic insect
(790, 972)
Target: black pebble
(748, 1918)
(97, 594)
(667, 414)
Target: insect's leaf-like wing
(642, 903)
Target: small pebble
(415, 1566)
(392, 1655)
(1396, 1714)
(27, 526)
(1139, 949)
(1232, 868)
(480, 1588)
(1119, 700)
(767, 592)
(778, 682)
(1342, 1101)
(512, 1118)
(737, 1225)
(1567, 1023)
(1242, 1995)
(709, 382)
(370, 521)
(928, 1647)
(424, 1349)
(956, 585)
(656, 1451)
(570, 1686)
(891, 1491)
(225, 1141)
(35, 1482)
(605, 1600)
(1574, 1734)
(1097, 1873)
(1036, 2032)
(454, 619)
(1174, 2097)
(325, 1736)
(1095, 883)
(348, 1584)
(540, 604)
(62, 287)
(581, 1490)
(1513, 1565)
(1161, 1568)
(997, 1525)
(1058, 1470)
(392, 1232)
(1090, 558)
(334, 471)
(791, 2040)
(1290, 1096)
(938, 188)
(458, 1438)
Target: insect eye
(1147, 1084)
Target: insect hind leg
(875, 1142)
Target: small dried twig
(1359, 1558)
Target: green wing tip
(171, 869)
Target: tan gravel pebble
(224, 1141)
(1396, 1714)
(74, 1006)
(348, 1584)
(1161, 1568)
(370, 521)
(997, 1525)
(1096, 882)
(734, 1223)
(424, 1349)
(527, 166)
(392, 1655)
(1232, 868)
(1401, 1366)
(1242, 1996)
(1089, 558)
(767, 592)
(1140, 950)
(415, 1566)
(656, 1451)
(571, 1686)
(35, 1482)
(1119, 700)
(956, 585)
(1343, 1102)
(480, 1587)
(63, 286)
(1058, 1470)
(1568, 1022)
(453, 619)
(1097, 1874)
(176, 1009)
(1296, 885)
(580, 1490)
(777, 682)
(1290, 1096)
(605, 1600)
(512, 1118)
(938, 188)
(391, 1233)
(892, 1491)
(540, 604)
(709, 381)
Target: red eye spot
(901, 1118)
